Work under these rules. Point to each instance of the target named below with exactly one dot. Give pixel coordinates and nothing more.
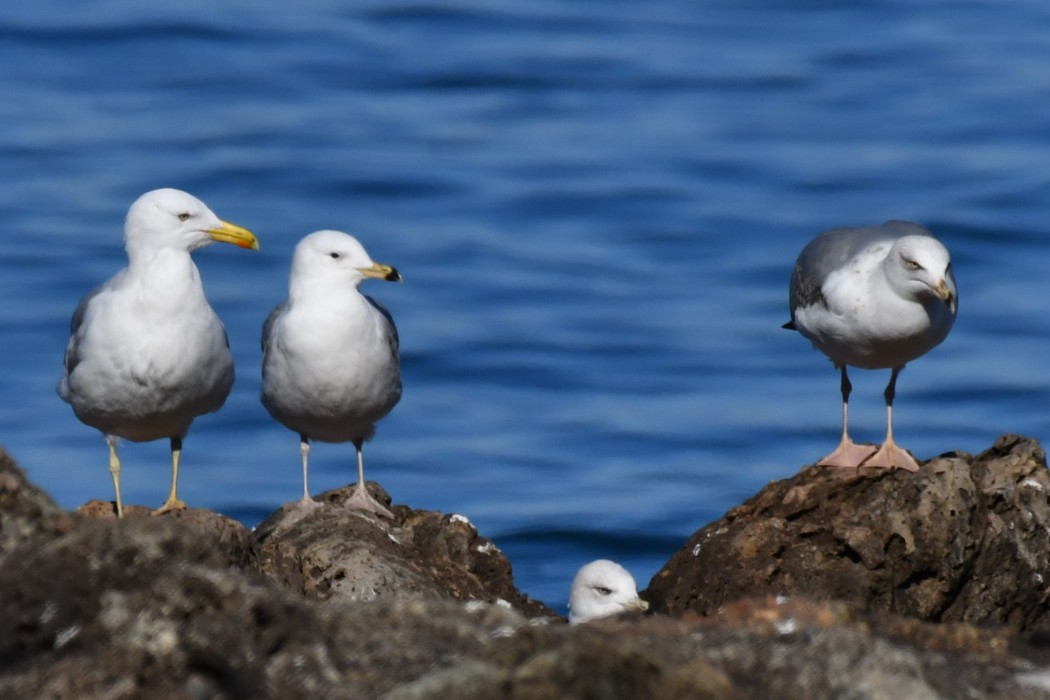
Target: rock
(392, 642)
(230, 536)
(795, 648)
(335, 552)
(962, 539)
(356, 606)
(25, 510)
(145, 607)
(770, 647)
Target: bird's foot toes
(170, 505)
(848, 455)
(360, 499)
(305, 505)
(891, 456)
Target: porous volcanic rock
(336, 552)
(173, 607)
(230, 536)
(963, 539)
(785, 648)
(146, 607)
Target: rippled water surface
(595, 208)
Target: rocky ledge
(830, 584)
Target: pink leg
(848, 454)
(890, 455)
(305, 504)
(360, 499)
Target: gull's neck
(321, 291)
(169, 269)
(142, 254)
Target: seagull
(146, 353)
(600, 589)
(873, 297)
(330, 354)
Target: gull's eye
(183, 216)
(911, 264)
(603, 590)
(334, 256)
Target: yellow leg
(173, 502)
(114, 471)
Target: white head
(334, 258)
(600, 589)
(920, 268)
(174, 219)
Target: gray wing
(73, 353)
(270, 320)
(395, 341)
(830, 251)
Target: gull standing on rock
(146, 353)
(600, 589)
(874, 297)
(330, 354)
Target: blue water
(595, 207)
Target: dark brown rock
(107, 510)
(226, 533)
(25, 510)
(336, 552)
(758, 648)
(146, 607)
(171, 607)
(392, 641)
(962, 539)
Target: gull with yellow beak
(874, 297)
(330, 354)
(147, 354)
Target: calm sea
(595, 207)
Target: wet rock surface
(339, 604)
(962, 539)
